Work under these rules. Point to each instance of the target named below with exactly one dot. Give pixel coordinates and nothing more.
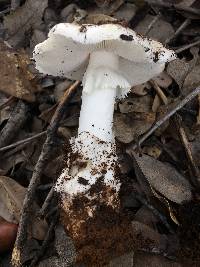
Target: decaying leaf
(11, 201)
(16, 79)
(164, 178)
(178, 69)
(147, 238)
(129, 126)
(163, 80)
(136, 104)
(193, 78)
(23, 20)
(141, 89)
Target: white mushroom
(109, 59)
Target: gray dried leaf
(136, 104)
(37, 37)
(126, 12)
(178, 69)
(160, 31)
(146, 216)
(128, 127)
(23, 19)
(149, 260)
(193, 78)
(67, 13)
(149, 239)
(164, 178)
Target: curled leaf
(164, 178)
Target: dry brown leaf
(128, 127)
(16, 79)
(164, 178)
(23, 20)
(141, 89)
(157, 102)
(11, 201)
(163, 80)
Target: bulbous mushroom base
(100, 237)
(89, 188)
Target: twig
(21, 142)
(35, 180)
(185, 47)
(46, 202)
(45, 187)
(45, 242)
(16, 120)
(187, 147)
(165, 117)
(159, 92)
(177, 7)
(10, 100)
(5, 11)
(150, 26)
(154, 211)
(183, 137)
(179, 30)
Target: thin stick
(21, 142)
(17, 119)
(150, 26)
(179, 30)
(189, 97)
(35, 180)
(185, 47)
(46, 202)
(169, 5)
(188, 151)
(10, 100)
(159, 92)
(45, 242)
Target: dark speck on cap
(126, 37)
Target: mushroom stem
(96, 115)
(98, 98)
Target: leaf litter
(164, 189)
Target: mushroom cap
(66, 51)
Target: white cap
(67, 50)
